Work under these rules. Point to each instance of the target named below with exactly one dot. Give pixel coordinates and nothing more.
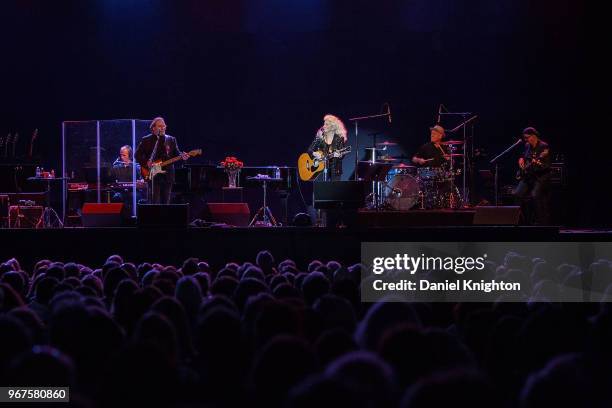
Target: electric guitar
(157, 166)
(531, 164)
(6, 144)
(309, 166)
(31, 147)
(15, 139)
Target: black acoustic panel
(501, 215)
(4, 205)
(163, 215)
(339, 194)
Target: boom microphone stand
(356, 120)
(494, 161)
(466, 157)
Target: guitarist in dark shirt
(534, 176)
(154, 147)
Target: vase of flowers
(232, 167)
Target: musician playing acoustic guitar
(331, 137)
(534, 175)
(154, 147)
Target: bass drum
(402, 192)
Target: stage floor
(218, 245)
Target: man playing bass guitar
(534, 176)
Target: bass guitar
(310, 166)
(157, 167)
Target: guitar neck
(170, 161)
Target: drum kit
(400, 186)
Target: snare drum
(430, 173)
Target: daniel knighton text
(484, 271)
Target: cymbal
(372, 148)
(403, 166)
(387, 143)
(388, 159)
(452, 142)
(455, 155)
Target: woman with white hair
(330, 138)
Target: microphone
(320, 132)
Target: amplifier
(25, 216)
(557, 173)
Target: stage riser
(415, 218)
(220, 245)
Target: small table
(264, 216)
(48, 210)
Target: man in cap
(534, 175)
(432, 154)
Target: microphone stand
(356, 120)
(463, 124)
(494, 161)
(159, 136)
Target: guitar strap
(154, 153)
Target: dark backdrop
(254, 78)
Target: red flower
(232, 162)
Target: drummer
(434, 153)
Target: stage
(219, 245)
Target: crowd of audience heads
(276, 334)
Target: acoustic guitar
(309, 166)
(157, 167)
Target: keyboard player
(122, 170)
(122, 173)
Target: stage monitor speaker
(237, 214)
(163, 215)
(101, 214)
(345, 195)
(500, 215)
